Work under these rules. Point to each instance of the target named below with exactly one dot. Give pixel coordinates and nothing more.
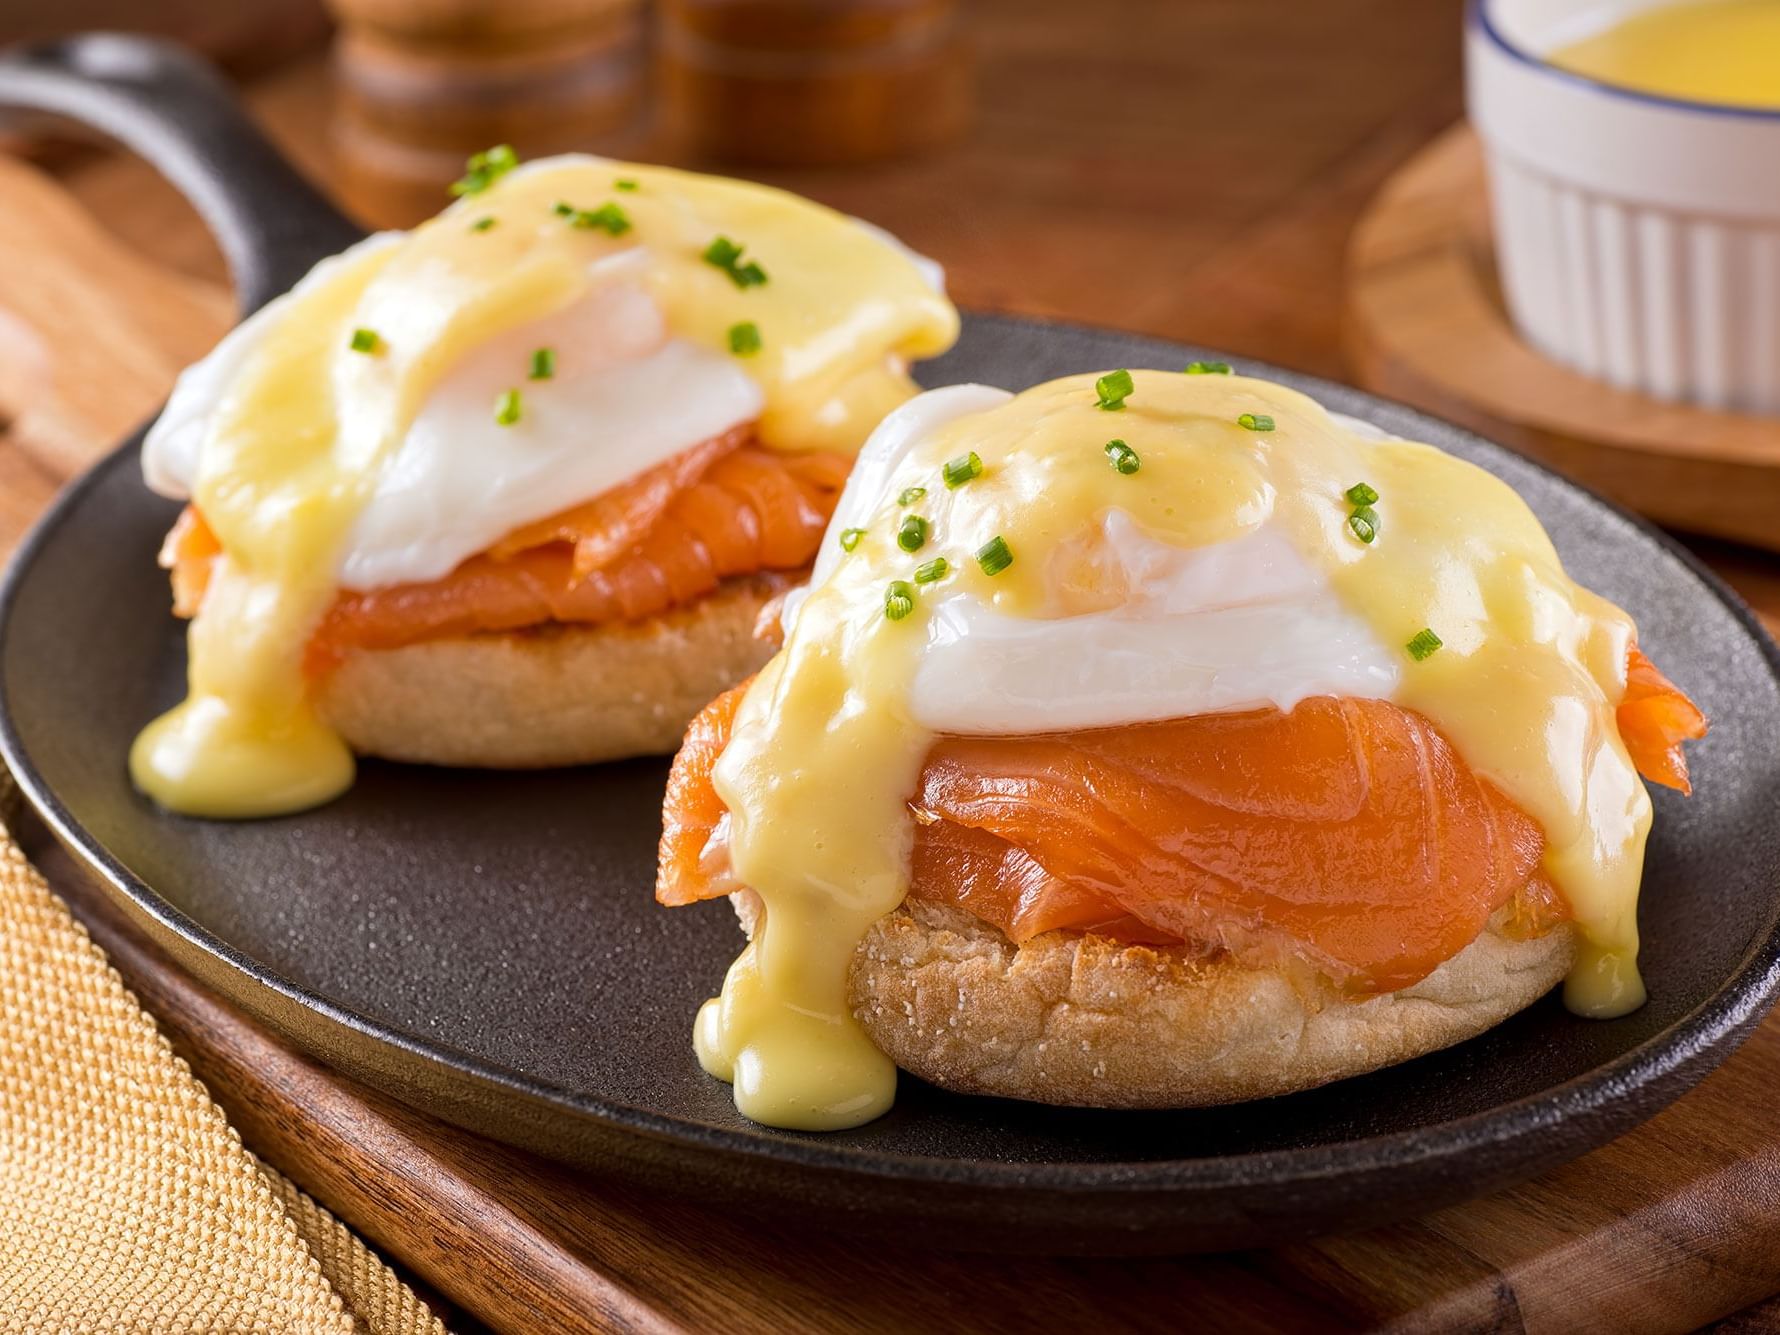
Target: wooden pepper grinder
(794, 82)
(425, 83)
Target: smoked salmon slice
(691, 811)
(1346, 833)
(1655, 718)
(601, 529)
(189, 552)
(724, 508)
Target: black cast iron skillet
(484, 945)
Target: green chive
(1122, 457)
(744, 338)
(1206, 368)
(543, 364)
(726, 255)
(1113, 388)
(563, 209)
(1255, 422)
(910, 495)
(485, 168)
(1362, 494)
(912, 536)
(624, 183)
(993, 556)
(850, 538)
(722, 252)
(1423, 645)
(608, 218)
(366, 340)
(1364, 523)
(899, 599)
(961, 470)
(482, 224)
(936, 569)
(506, 408)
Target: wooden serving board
(1426, 324)
(1674, 1225)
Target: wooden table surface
(1189, 170)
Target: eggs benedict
(1156, 739)
(512, 488)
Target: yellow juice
(1721, 51)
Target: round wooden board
(1425, 324)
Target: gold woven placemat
(127, 1201)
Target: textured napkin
(127, 1201)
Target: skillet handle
(177, 112)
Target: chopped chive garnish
(506, 408)
(482, 224)
(485, 168)
(744, 338)
(1113, 388)
(1363, 522)
(993, 556)
(961, 470)
(624, 183)
(726, 255)
(366, 340)
(563, 209)
(608, 218)
(1122, 457)
(910, 495)
(850, 538)
(1255, 422)
(543, 364)
(899, 599)
(912, 536)
(1423, 645)
(936, 569)
(1206, 368)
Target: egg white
(1236, 625)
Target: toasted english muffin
(551, 695)
(1078, 1019)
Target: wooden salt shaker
(792, 82)
(425, 83)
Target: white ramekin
(1638, 237)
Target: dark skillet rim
(1671, 1061)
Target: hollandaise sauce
(1719, 51)
(819, 311)
(1518, 666)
